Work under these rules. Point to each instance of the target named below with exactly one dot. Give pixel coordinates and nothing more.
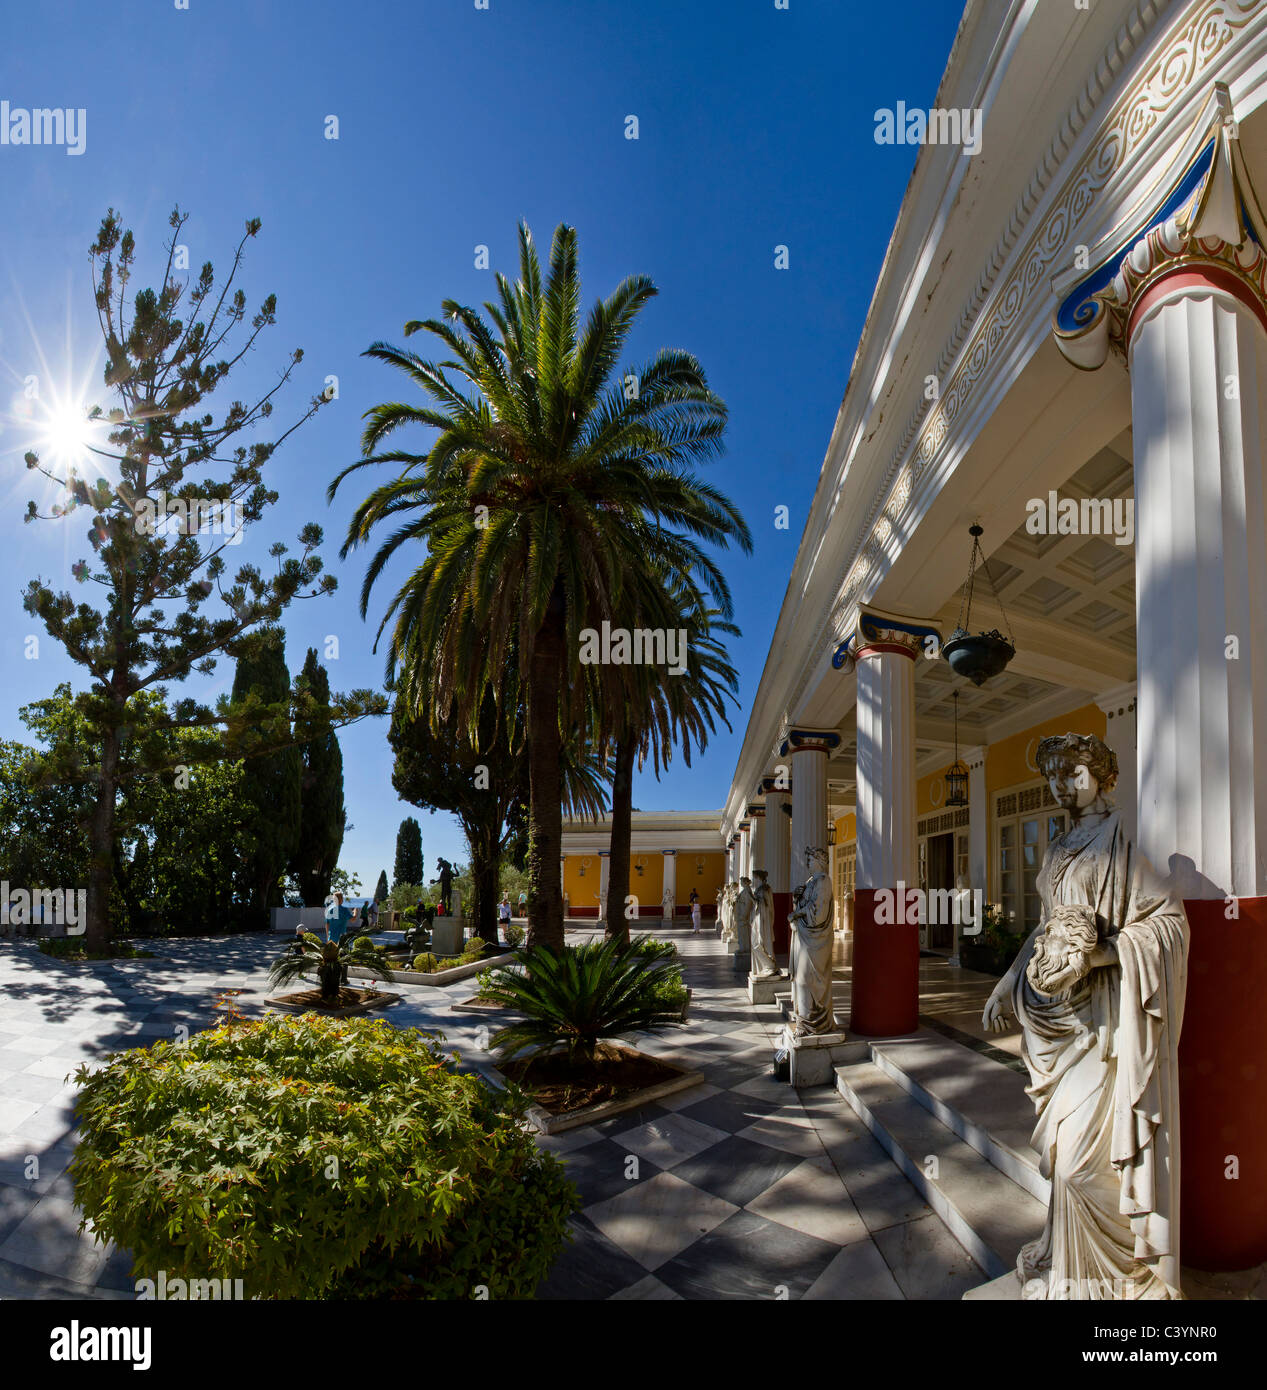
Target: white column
(778, 841)
(670, 874)
(756, 842)
(1118, 705)
(808, 749)
(887, 844)
(1198, 365)
(745, 849)
(604, 875)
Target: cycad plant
(576, 998)
(554, 477)
(330, 959)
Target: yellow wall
(582, 891)
(930, 791)
(649, 886)
(1011, 759)
(847, 828)
(705, 884)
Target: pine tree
(322, 815)
(271, 784)
(408, 853)
(381, 893)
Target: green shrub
(317, 1158)
(653, 949)
(426, 963)
(513, 932)
(575, 998)
(473, 950)
(72, 948)
(329, 959)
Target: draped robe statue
(811, 923)
(1101, 1048)
(745, 906)
(763, 966)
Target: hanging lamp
(957, 774)
(978, 656)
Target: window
(1027, 821)
(846, 860)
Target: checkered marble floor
(736, 1188)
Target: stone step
(980, 1099)
(986, 1212)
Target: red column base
(885, 991)
(1223, 1089)
(782, 932)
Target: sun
(66, 433)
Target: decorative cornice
(876, 632)
(756, 811)
(968, 355)
(1207, 229)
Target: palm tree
(661, 710)
(551, 481)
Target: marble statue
(1098, 991)
(811, 923)
(763, 966)
(668, 907)
(745, 906)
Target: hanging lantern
(978, 656)
(957, 775)
(831, 832)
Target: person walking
(523, 902)
(695, 914)
(503, 913)
(337, 918)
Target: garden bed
(620, 1079)
(350, 1002)
(438, 977)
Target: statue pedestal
(761, 988)
(813, 1060)
(1006, 1288)
(446, 936)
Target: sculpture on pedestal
(763, 966)
(811, 923)
(668, 907)
(1098, 990)
(745, 906)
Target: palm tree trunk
(545, 802)
(622, 833)
(484, 842)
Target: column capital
(1119, 699)
(755, 809)
(604, 854)
(1205, 232)
(770, 787)
(669, 851)
(876, 633)
(744, 825)
(797, 740)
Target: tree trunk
(545, 809)
(101, 844)
(622, 833)
(485, 864)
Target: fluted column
(1182, 299)
(885, 994)
(745, 850)
(778, 853)
(756, 842)
(1119, 706)
(604, 876)
(978, 834)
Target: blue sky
(755, 130)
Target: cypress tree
(381, 892)
(270, 781)
(408, 853)
(321, 817)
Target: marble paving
(736, 1188)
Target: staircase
(957, 1123)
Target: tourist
(523, 902)
(337, 918)
(503, 911)
(695, 914)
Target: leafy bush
(513, 932)
(72, 948)
(426, 963)
(575, 998)
(653, 949)
(472, 951)
(317, 1158)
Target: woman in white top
(695, 917)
